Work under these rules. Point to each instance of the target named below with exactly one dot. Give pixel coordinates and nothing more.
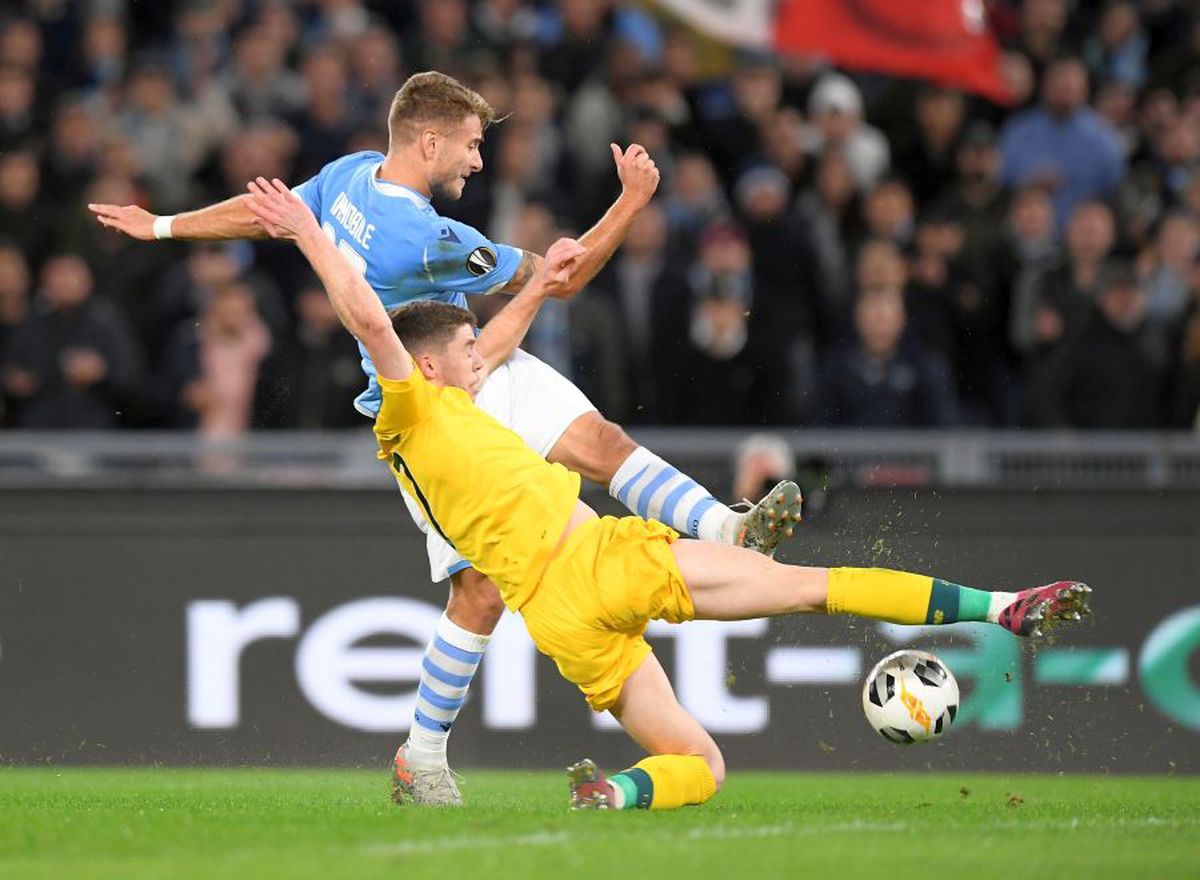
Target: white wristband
(162, 226)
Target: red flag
(942, 40)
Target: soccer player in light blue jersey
(377, 210)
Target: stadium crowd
(826, 249)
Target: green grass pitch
(173, 823)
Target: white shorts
(535, 401)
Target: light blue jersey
(404, 249)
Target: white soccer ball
(910, 697)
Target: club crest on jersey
(481, 261)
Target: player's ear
(427, 366)
(429, 139)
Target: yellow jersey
(496, 501)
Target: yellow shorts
(610, 578)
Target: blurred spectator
(831, 211)
(164, 131)
(375, 72)
(103, 57)
(575, 43)
(18, 111)
(1168, 266)
(934, 289)
(1117, 50)
(1062, 145)
(1050, 306)
(1185, 404)
(210, 368)
(337, 21)
(882, 379)
(759, 463)
(1116, 104)
(595, 116)
(787, 298)
(325, 122)
(14, 312)
(1110, 374)
(649, 289)
(1044, 31)
(444, 40)
(24, 217)
(782, 136)
(125, 270)
(313, 378)
(502, 23)
(72, 156)
(696, 200)
(732, 131)
(186, 289)
(257, 80)
(977, 201)
(889, 212)
(835, 111)
(927, 161)
(74, 363)
(1179, 62)
(535, 104)
(534, 229)
(21, 44)
(723, 376)
(1180, 155)
(1032, 250)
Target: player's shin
(654, 489)
(903, 597)
(449, 665)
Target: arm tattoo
(525, 270)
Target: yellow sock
(666, 782)
(880, 593)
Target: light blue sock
(446, 671)
(653, 489)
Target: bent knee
(594, 447)
(475, 603)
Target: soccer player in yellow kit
(585, 585)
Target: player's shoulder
(348, 165)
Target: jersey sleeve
(405, 403)
(310, 192)
(460, 258)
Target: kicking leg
(685, 766)
(602, 452)
(420, 772)
(727, 583)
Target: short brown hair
(433, 97)
(427, 326)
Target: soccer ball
(910, 697)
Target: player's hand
(279, 210)
(638, 173)
(559, 266)
(130, 219)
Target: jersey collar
(397, 190)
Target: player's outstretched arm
(639, 181)
(504, 332)
(283, 215)
(230, 219)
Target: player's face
(460, 365)
(457, 157)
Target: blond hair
(430, 98)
